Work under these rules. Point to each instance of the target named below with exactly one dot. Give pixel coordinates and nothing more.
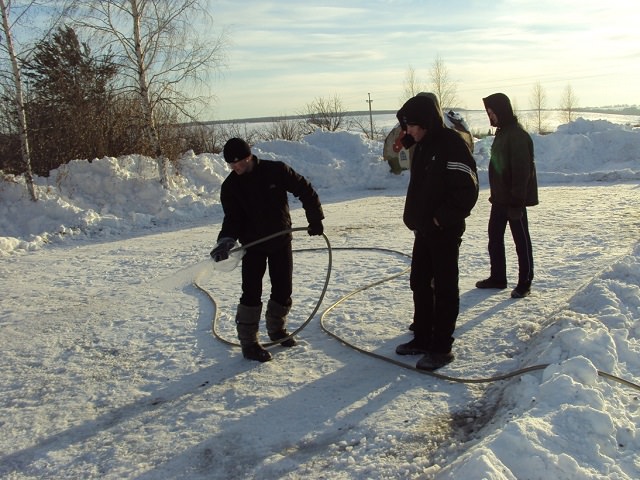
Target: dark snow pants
(498, 220)
(279, 259)
(434, 283)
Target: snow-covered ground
(110, 369)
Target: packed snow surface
(110, 368)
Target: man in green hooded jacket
(513, 186)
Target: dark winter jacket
(444, 181)
(256, 203)
(512, 169)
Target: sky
(110, 368)
(283, 55)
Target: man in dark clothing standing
(514, 187)
(254, 199)
(443, 188)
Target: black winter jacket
(256, 204)
(443, 183)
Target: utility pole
(370, 115)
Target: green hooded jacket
(512, 170)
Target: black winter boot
(247, 323)
(522, 290)
(276, 316)
(413, 347)
(434, 360)
(256, 352)
(289, 342)
(492, 283)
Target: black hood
(421, 110)
(501, 106)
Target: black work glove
(515, 213)
(222, 248)
(315, 228)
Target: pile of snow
(110, 195)
(569, 423)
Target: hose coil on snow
(345, 297)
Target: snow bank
(111, 195)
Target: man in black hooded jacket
(254, 198)
(443, 189)
(514, 187)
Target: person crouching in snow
(255, 205)
(442, 191)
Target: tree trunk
(147, 106)
(19, 99)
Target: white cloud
(361, 47)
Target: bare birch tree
(366, 126)
(412, 86)
(568, 104)
(325, 113)
(538, 104)
(17, 16)
(282, 129)
(15, 81)
(164, 53)
(442, 84)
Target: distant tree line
(77, 109)
(81, 104)
(122, 89)
(61, 100)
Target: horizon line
(619, 110)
